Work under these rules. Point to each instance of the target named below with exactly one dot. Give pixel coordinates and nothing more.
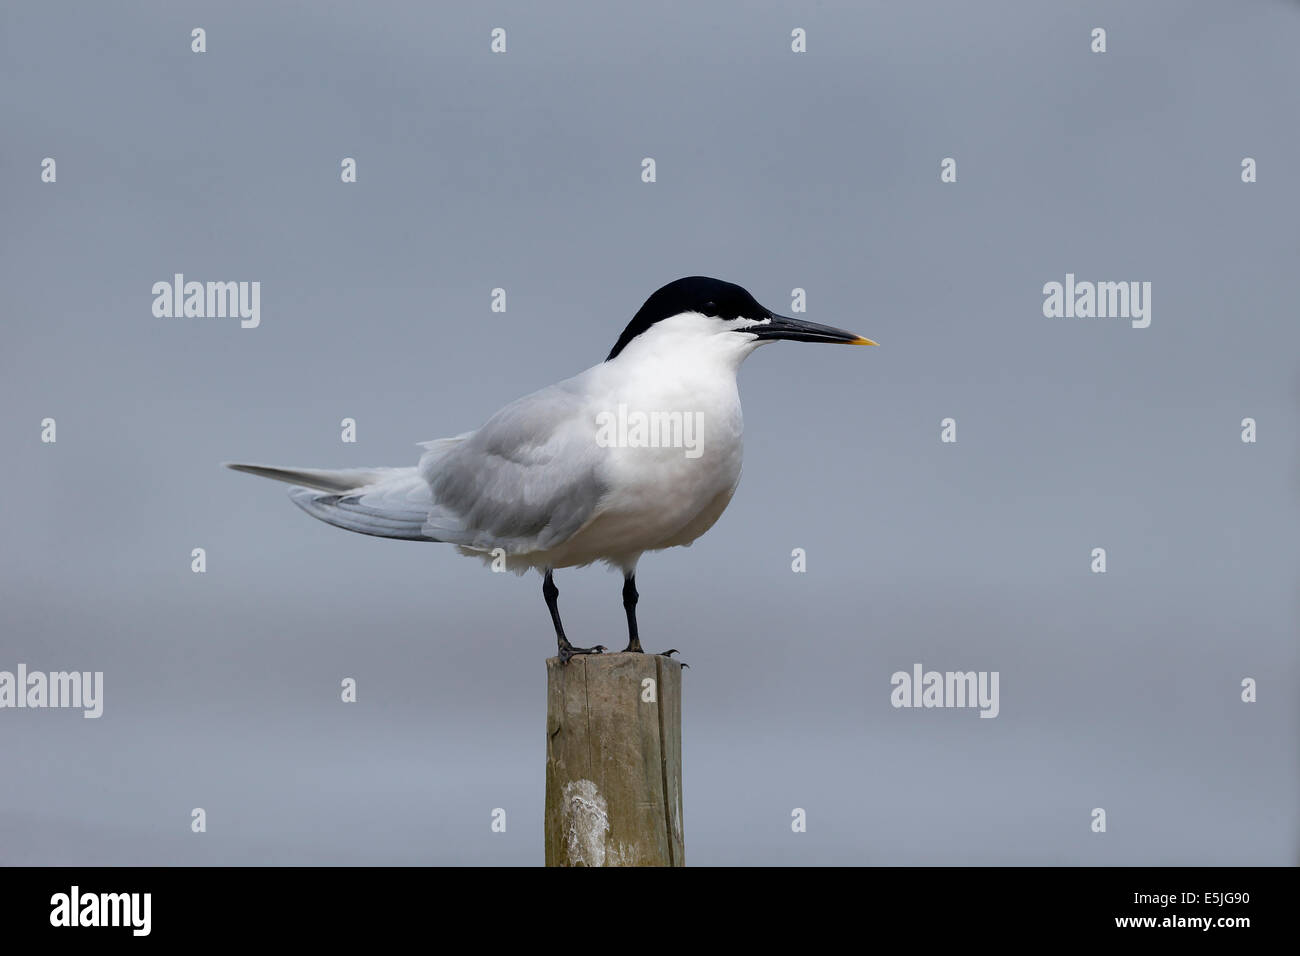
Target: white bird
(639, 453)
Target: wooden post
(614, 761)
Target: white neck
(688, 343)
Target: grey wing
(525, 481)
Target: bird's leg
(629, 605)
(630, 596)
(567, 650)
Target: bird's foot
(568, 651)
(670, 652)
(634, 647)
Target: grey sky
(776, 171)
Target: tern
(639, 453)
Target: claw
(568, 651)
(670, 652)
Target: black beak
(797, 330)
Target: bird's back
(564, 477)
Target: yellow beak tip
(861, 341)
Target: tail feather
(384, 502)
(322, 479)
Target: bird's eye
(710, 307)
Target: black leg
(567, 650)
(630, 596)
(629, 605)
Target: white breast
(675, 457)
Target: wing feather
(525, 481)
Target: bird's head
(700, 309)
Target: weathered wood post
(614, 761)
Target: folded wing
(525, 481)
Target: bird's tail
(385, 502)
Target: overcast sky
(775, 170)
